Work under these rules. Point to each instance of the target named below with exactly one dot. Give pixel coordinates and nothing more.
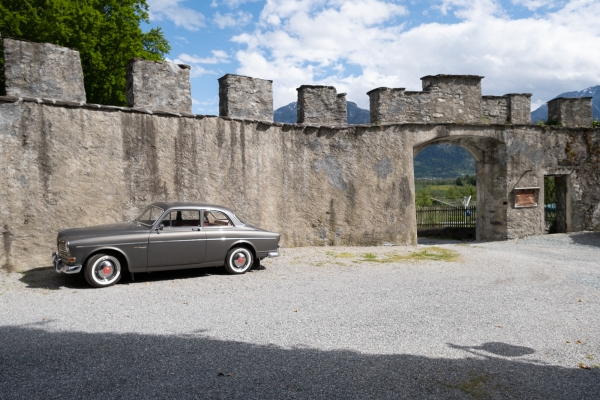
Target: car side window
(214, 218)
(181, 218)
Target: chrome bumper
(274, 253)
(62, 268)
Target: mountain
(443, 161)
(541, 114)
(288, 114)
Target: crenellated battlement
(48, 71)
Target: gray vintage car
(164, 236)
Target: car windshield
(149, 215)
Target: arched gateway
(65, 163)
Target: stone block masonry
(157, 85)
(454, 98)
(519, 108)
(245, 97)
(321, 105)
(495, 109)
(386, 105)
(571, 112)
(42, 70)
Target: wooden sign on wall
(526, 197)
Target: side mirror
(161, 226)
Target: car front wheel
(238, 261)
(102, 270)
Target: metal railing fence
(444, 217)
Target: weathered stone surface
(418, 106)
(454, 98)
(495, 109)
(159, 86)
(315, 185)
(519, 108)
(387, 105)
(245, 97)
(321, 105)
(42, 70)
(571, 112)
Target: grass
(432, 253)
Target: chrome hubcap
(239, 260)
(105, 269)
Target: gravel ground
(516, 319)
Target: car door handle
(197, 229)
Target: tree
(107, 34)
(423, 198)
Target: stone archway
(491, 171)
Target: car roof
(176, 204)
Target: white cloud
(229, 20)
(218, 57)
(180, 15)
(536, 4)
(231, 3)
(304, 42)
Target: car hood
(120, 228)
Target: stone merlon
(245, 97)
(158, 85)
(571, 112)
(42, 70)
(321, 105)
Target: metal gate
(555, 204)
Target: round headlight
(67, 246)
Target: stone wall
(495, 109)
(519, 108)
(321, 105)
(449, 99)
(571, 112)
(418, 107)
(245, 97)
(314, 185)
(454, 98)
(387, 105)
(159, 86)
(42, 70)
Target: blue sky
(544, 47)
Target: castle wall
(67, 164)
(73, 166)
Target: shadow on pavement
(36, 363)
(48, 278)
(586, 238)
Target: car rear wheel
(102, 270)
(238, 261)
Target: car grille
(62, 251)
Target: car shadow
(195, 365)
(47, 278)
